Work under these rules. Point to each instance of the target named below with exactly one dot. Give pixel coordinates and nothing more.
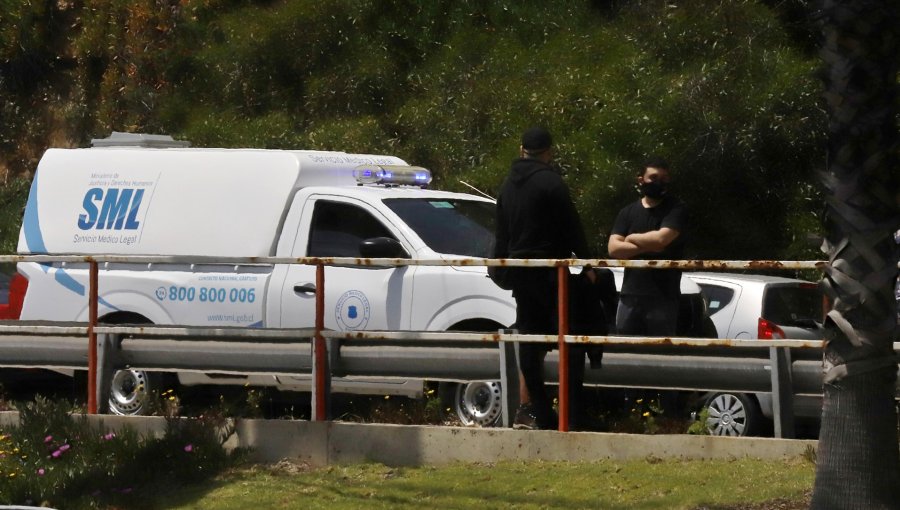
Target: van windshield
(449, 226)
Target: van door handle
(309, 288)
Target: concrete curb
(324, 443)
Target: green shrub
(57, 458)
(699, 426)
(13, 196)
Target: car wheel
(476, 403)
(733, 414)
(131, 390)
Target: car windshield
(450, 226)
(793, 305)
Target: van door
(357, 297)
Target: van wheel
(131, 391)
(476, 403)
(733, 414)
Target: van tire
(131, 392)
(475, 403)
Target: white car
(746, 306)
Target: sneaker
(525, 418)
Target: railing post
(107, 345)
(563, 300)
(92, 339)
(321, 375)
(782, 391)
(509, 378)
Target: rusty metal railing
(320, 365)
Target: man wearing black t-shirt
(651, 228)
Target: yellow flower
(646, 414)
(12, 475)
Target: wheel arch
(123, 317)
(471, 309)
(477, 324)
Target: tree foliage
(724, 90)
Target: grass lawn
(652, 484)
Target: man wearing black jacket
(537, 219)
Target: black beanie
(536, 139)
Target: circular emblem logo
(352, 311)
(161, 293)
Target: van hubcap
(129, 392)
(479, 403)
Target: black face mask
(654, 189)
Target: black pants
(647, 315)
(536, 313)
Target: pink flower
(56, 454)
(41, 472)
(48, 439)
(109, 436)
(64, 447)
(189, 448)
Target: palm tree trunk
(858, 457)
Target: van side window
(338, 228)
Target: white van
(125, 196)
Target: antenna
(476, 190)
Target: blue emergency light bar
(392, 175)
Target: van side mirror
(382, 247)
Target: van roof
(174, 201)
(316, 168)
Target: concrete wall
(323, 443)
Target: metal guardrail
(688, 364)
(753, 265)
(234, 354)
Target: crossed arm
(626, 247)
